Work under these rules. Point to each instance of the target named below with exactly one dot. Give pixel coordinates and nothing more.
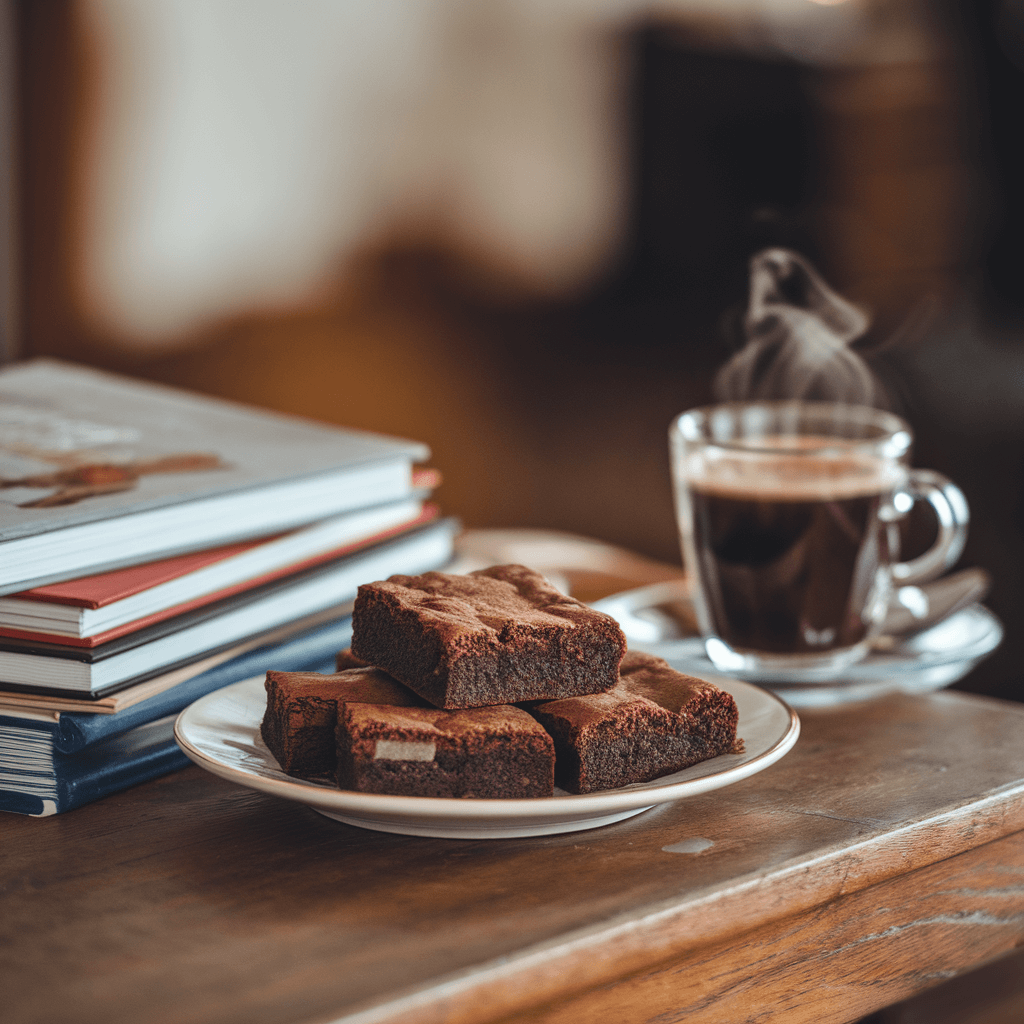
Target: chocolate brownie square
(302, 710)
(488, 753)
(497, 636)
(654, 722)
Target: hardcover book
(17, 702)
(312, 650)
(99, 471)
(59, 782)
(54, 762)
(92, 610)
(43, 667)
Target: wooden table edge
(602, 953)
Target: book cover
(127, 600)
(42, 667)
(29, 740)
(51, 763)
(60, 782)
(99, 471)
(310, 651)
(21, 702)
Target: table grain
(882, 855)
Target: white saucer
(920, 663)
(220, 732)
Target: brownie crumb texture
(498, 636)
(421, 705)
(656, 721)
(302, 711)
(487, 753)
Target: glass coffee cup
(788, 517)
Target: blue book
(49, 766)
(50, 783)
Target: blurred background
(520, 231)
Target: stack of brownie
(490, 685)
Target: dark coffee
(790, 564)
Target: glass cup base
(783, 667)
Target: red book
(94, 609)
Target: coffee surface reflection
(793, 551)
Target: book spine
(312, 651)
(26, 762)
(28, 721)
(119, 763)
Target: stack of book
(156, 545)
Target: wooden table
(882, 855)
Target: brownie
(488, 753)
(302, 709)
(497, 636)
(654, 722)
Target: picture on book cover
(78, 445)
(48, 460)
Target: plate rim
(564, 807)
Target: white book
(99, 471)
(255, 562)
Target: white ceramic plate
(220, 732)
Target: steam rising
(798, 336)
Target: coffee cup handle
(953, 515)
